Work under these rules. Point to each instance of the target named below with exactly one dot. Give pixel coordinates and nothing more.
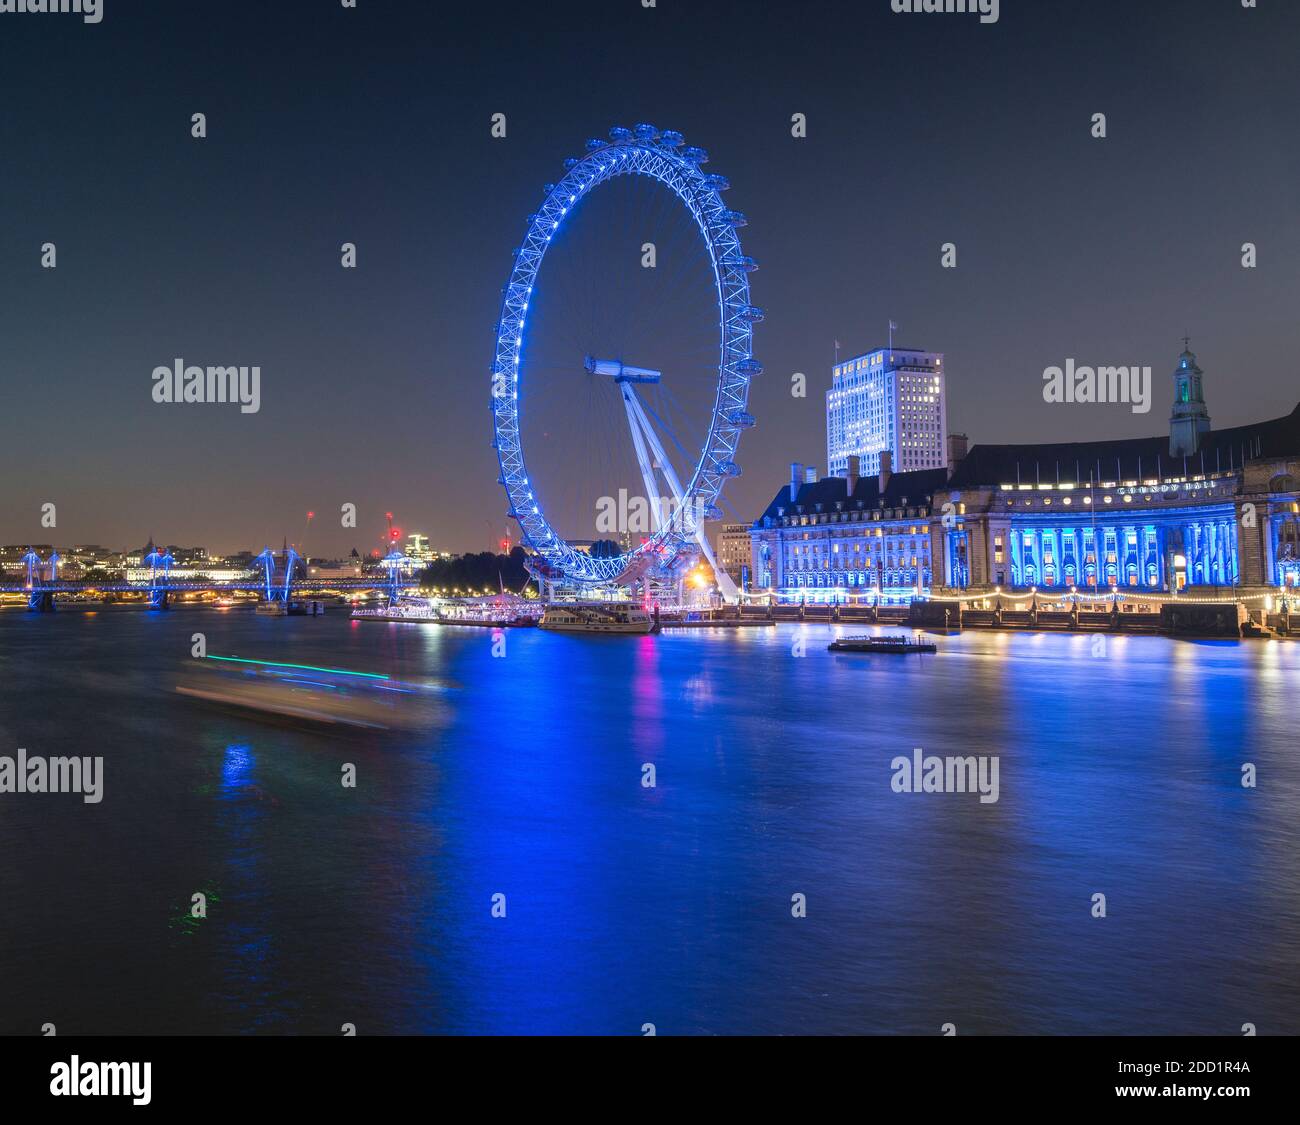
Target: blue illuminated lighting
(1132, 556)
(236, 767)
(653, 155)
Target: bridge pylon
(394, 563)
(277, 587)
(160, 567)
(40, 596)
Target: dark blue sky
(330, 125)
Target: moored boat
(892, 645)
(495, 613)
(597, 617)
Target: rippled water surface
(1120, 774)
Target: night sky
(328, 125)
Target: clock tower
(1190, 419)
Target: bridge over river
(275, 577)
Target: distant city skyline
(193, 552)
(374, 381)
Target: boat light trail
(304, 667)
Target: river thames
(1120, 774)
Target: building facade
(734, 550)
(890, 400)
(1074, 518)
(1218, 516)
(846, 538)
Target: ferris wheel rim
(657, 156)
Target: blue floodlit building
(1213, 512)
(848, 537)
(888, 400)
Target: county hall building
(1214, 512)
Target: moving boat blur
(305, 693)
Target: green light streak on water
(304, 667)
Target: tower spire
(1189, 421)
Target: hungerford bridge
(277, 577)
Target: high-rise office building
(734, 549)
(890, 399)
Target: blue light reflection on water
(1120, 774)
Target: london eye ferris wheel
(624, 365)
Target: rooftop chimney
(886, 470)
(810, 474)
(854, 471)
(796, 479)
